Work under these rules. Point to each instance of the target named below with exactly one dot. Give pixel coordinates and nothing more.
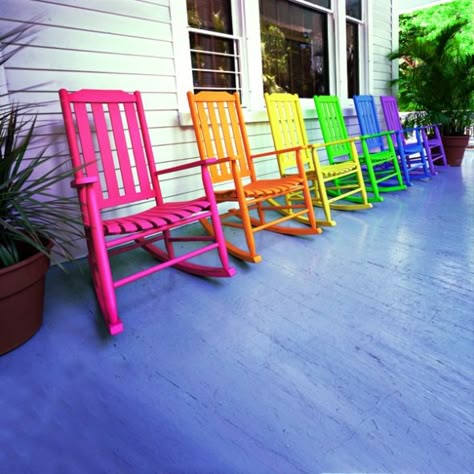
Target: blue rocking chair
(412, 156)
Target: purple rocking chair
(428, 137)
(112, 153)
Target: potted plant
(34, 219)
(436, 81)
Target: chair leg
(429, 157)
(249, 234)
(309, 206)
(168, 245)
(401, 185)
(316, 201)
(404, 167)
(320, 196)
(374, 187)
(103, 283)
(309, 220)
(363, 191)
(246, 256)
(220, 239)
(442, 153)
(427, 163)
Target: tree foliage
(436, 57)
(429, 23)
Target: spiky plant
(32, 214)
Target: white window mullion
(340, 48)
(368, 43)
(253, 94)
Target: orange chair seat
(261, 188)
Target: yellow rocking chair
(332, 183)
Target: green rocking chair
(380, 167)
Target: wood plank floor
(347, 352)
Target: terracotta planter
(21, 300)
(454, 147)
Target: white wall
(127, 44)
(120, 44)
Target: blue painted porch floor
(351, 351)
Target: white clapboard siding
(383, 40)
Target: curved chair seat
(377, 157)
(411, 148)
(261, 188)
(157, 217)
(338, 169)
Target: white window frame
(246, 25)
(363, 47)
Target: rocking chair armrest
(194, 164)
(409, 129)
(84, 181)
(430, 125)
(416, 130)
(277, 152)
(335, 142)
(380, 134)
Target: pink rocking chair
(112, 153)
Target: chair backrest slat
(220, 132)
(105, 150)
(368, 120)
(288, 129)
(86, 154)
(333, 126)
(111, 137)
(143, 168)
(123, 165)
(392, 116)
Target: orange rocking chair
(261, 203)
(111, 151)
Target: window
(353, 21)
(294, 47)
(308, 47)
(215, 56)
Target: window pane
(214, 58)
(294, 48)
(352, 31)
(354, 9)
(212, 15)
(213, 61)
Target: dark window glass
(354, 9)
(294, 48)
(214, 57)
(352, 31)
(212, 15)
